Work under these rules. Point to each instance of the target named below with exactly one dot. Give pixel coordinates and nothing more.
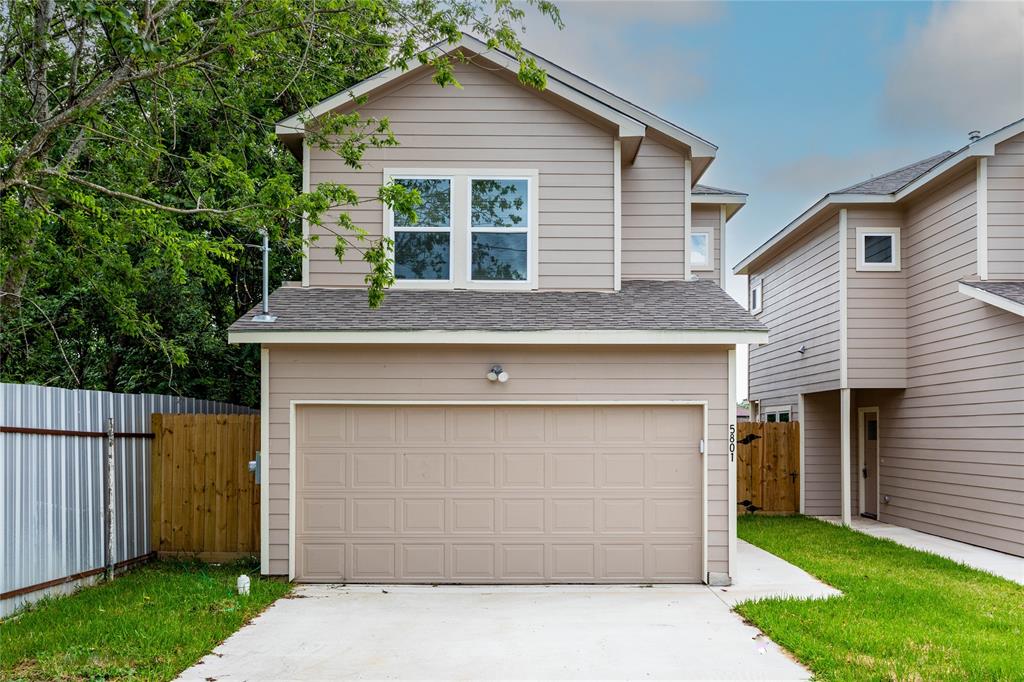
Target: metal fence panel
(51, 486)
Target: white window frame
(391, 228)
(891, 232)
(777, 411)
(460, 246)
(758, 289)
(710, 264)
(530, 230)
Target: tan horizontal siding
(653, 232)
(1006, 210)
(953, 442)
(489, 123)
(820, 475)
(541, 373)
(876, 308)
(801, 308)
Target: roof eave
(630, 337)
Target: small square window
(700, 251)
(878, 249)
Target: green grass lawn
(148, 624)
(904, 614)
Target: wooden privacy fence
(768, 466)
(205, 501)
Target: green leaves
(138, 158)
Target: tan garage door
(496, 494)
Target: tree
(138, 159)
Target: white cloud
(601, 42)
(962, 69)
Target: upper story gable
(566, 188)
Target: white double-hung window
(474, 229)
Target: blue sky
(801, 98)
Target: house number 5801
(732, 442)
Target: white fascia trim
(844, 274)
(732, 464)
(610, 337)
(628, 125)
(801, 418)
(722, 220)
(986, 146)
(265, 461)
(981, 202)
(687, 215)
(719, 199)
(991, 299)
(617, 213)
(306, 164)
(845, 470)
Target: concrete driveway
(330, 632)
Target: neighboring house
(546, 394)
(897, 340)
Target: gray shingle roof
(698, 305)
(1010, 290)
(708, 189)
(895, 180)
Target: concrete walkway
(329, 632)
(1005, 565)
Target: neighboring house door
(869, 455)
(498, 494)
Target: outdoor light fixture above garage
(497, 374)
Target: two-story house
(547, 393)
(897, 340)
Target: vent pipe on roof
(265, 316)
(974, 135)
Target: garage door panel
(472, 470)
(373, 561)
(522, 469)
(522, 516)
(621, 469)
(498, 494)
(373, 469)
(423, 516)
(322, 515)
(323, 470)
(571, 469)
(426, 560)
(423, 469)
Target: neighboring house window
(475, 228)
(701, 257)
(423, 240)
(756, 302)
(878, 249)
(776, 414)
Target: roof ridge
(936, 158)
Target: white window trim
(759, 288)
(460, 247)
(777, 410)
(391, 229)
(894, 233)
(530, 231)
(708, 266)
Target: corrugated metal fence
(51, 509)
